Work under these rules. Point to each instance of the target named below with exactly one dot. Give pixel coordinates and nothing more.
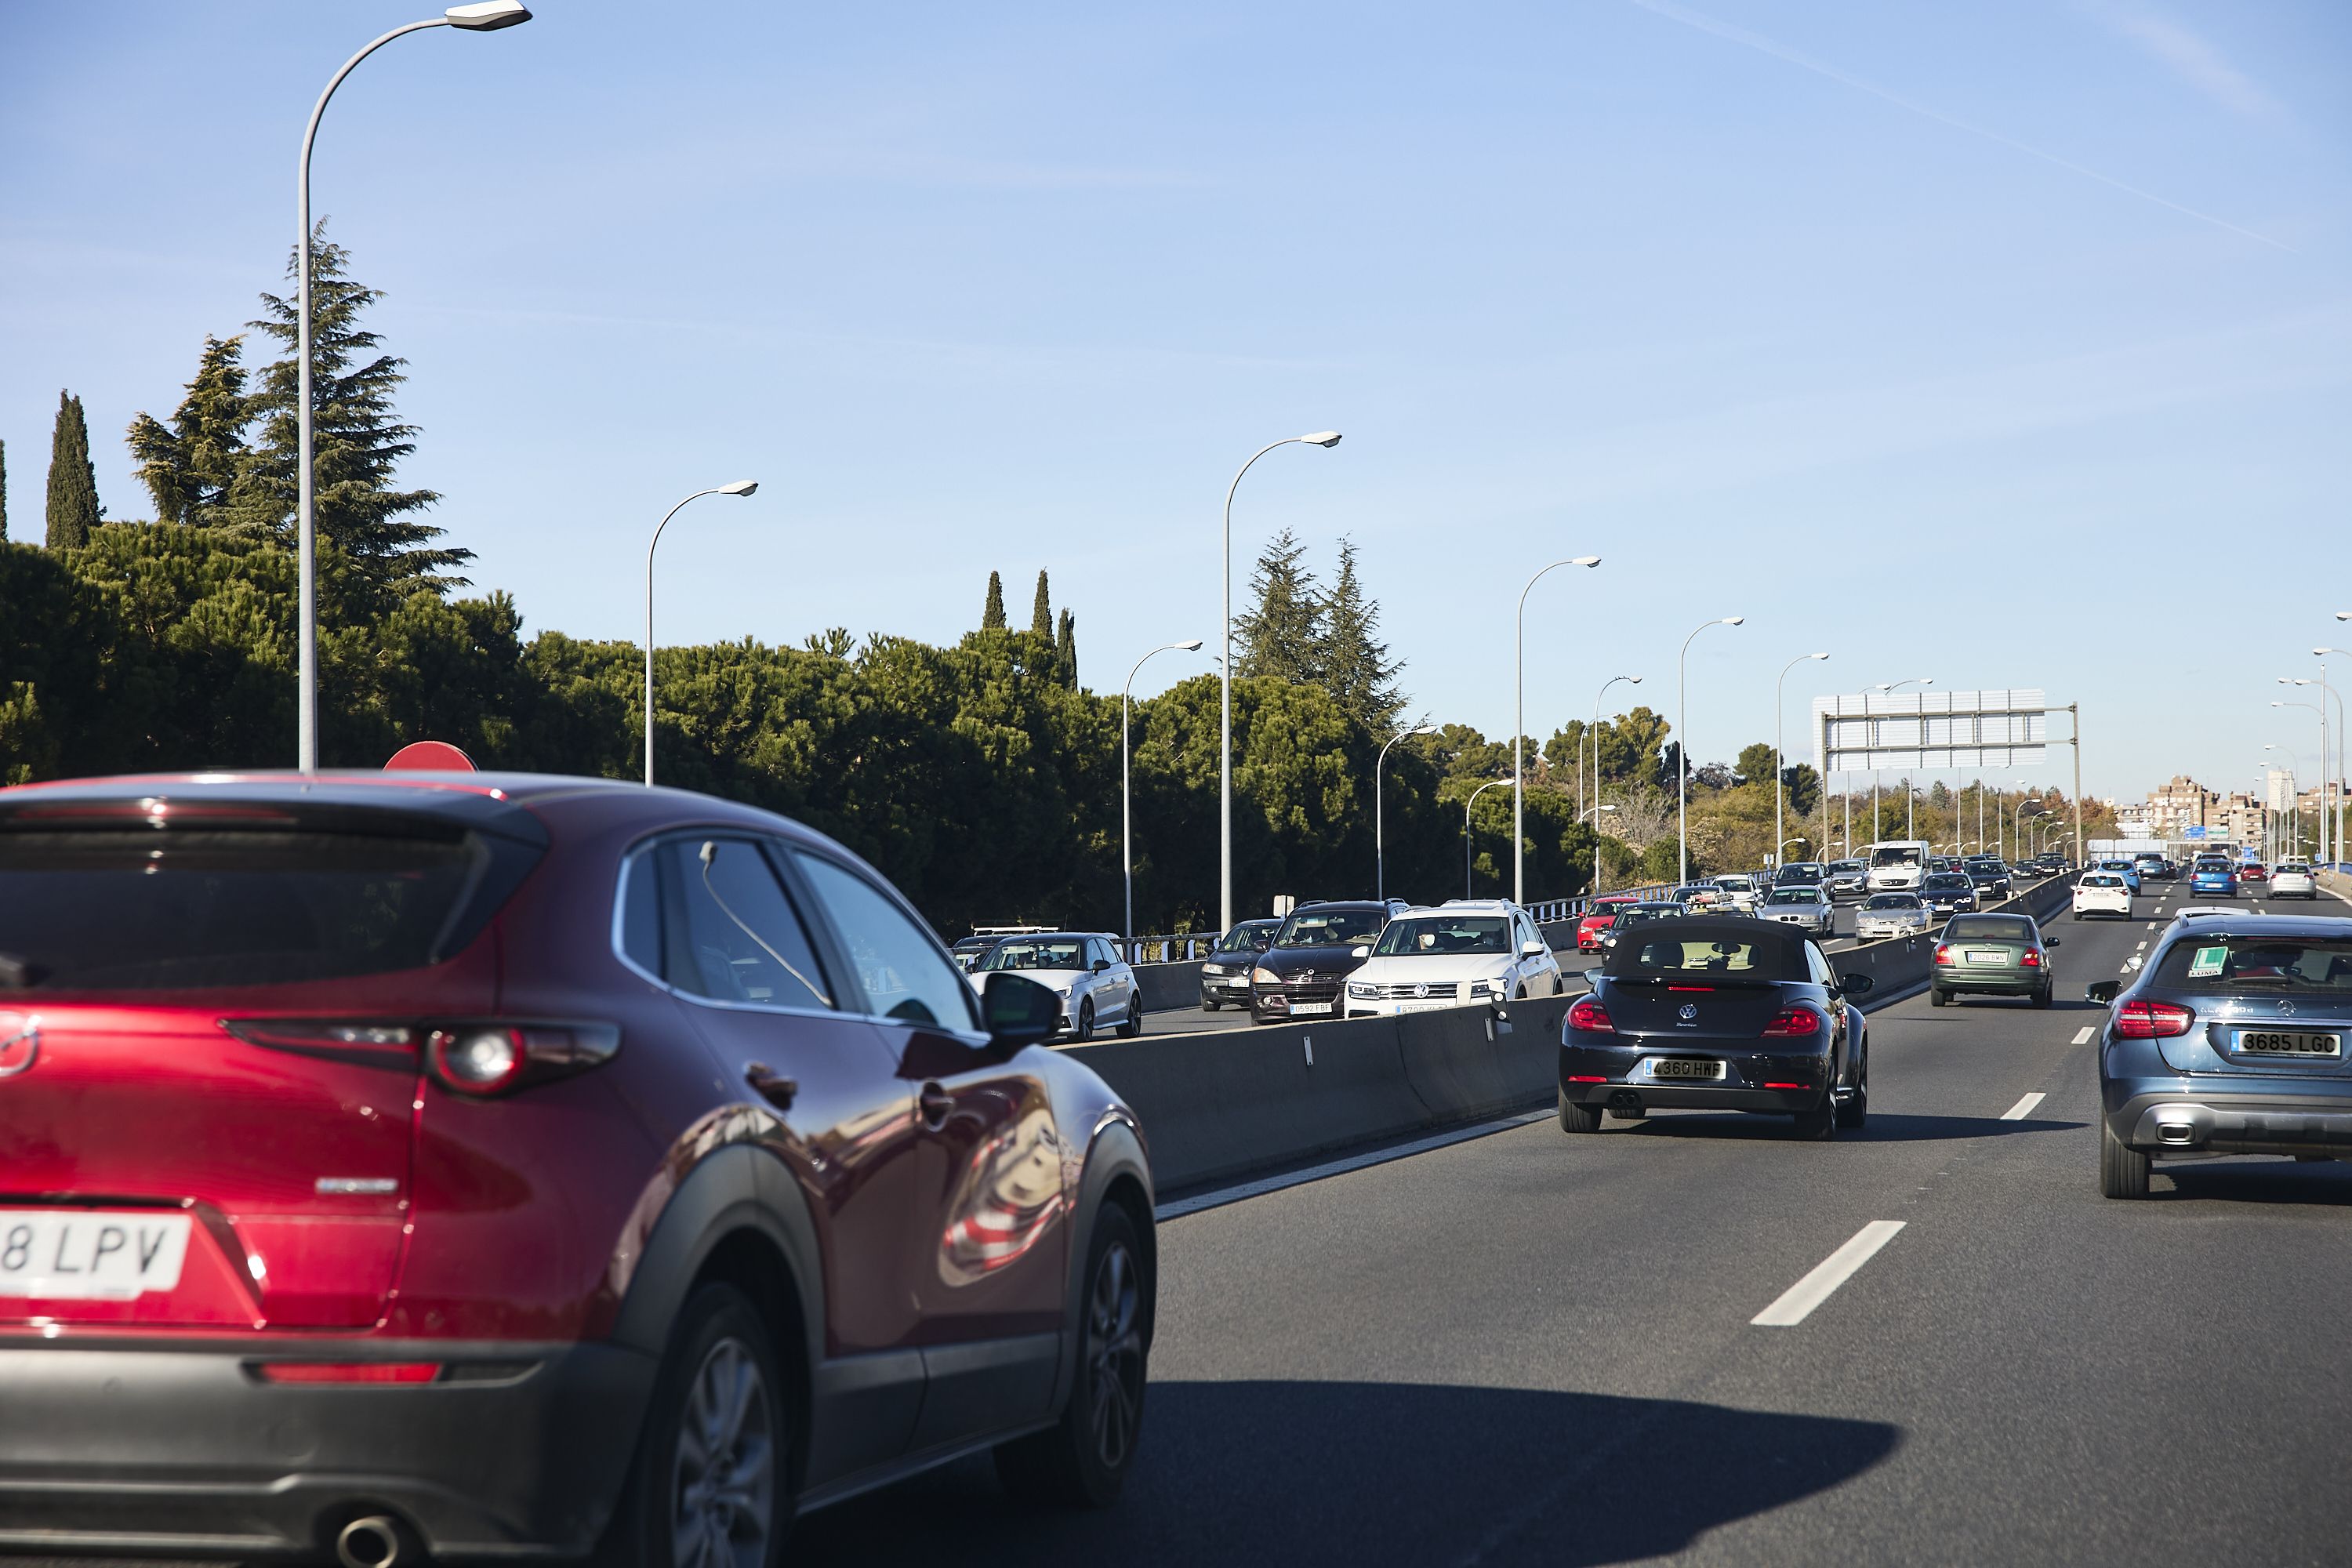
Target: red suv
(503, 1165)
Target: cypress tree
(1282, 635)
(1357, 669)
(73, 483)
(1041, 610)
(1066, 650)
(991, 618)
(191, 465)
(358, 440)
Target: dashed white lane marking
(2022, 1108)
(1797, 1303)
(2081, 1036)
(2151, 925)
(2143, 942)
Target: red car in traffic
(505, 1165)
(1594, 923)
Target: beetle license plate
(1686, 1068)
(2291, 1043)
(81, 1255)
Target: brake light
(477, 1058)
(2153, 1020)
(1798, 1022)
(1943, 952)
(1589, 1017)
(2032, 959)
(348, 1370)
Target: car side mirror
(2050, 942)
(1533, 950)
(2103, 991)
(1855, 984)
(1101, 965)
(1361, 951)
(1018, 1011)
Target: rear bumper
(1692, 1097)
(2235, 1116)
(2009, 984)
(146, 1451)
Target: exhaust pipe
(2180, 1133)
(374, 1541)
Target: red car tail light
(2032, 959)
(1589, 1017)
(1797, 1022)
(478, 1058)
(348, 1370)
(1943, 952)
(2153, 1020)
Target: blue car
(2215, 878)
(2230, 1041)
(2127, 870)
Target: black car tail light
(1798, 1022)
(1589, 1017)
(2153, 1020)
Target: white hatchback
(1097, 986)
(1456, 955)
(2103, 893)
(2291, 878)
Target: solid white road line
(2081, 1036)
(2022, 1108)
(1797, 1303)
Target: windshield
(1989, 928)
(1329, 928)
(1836, 866)
(1037, 953)
(1795, 896)
(1892, 901)
(1449, 934)
(2267, 963)
(1648, 912)
(2103, 880)
(1948, 880)
(1671, 955)
(1250, 936)
(1894, 855)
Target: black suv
(1300, 975)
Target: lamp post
(1519, 723)
(1886, 686)
(1780, 763)
(1466, 804)
(2315, 708)
(487, 17)
(1126, 796)
(1682, 746)
(1594, 812)
(1225, 681)
(739, 487)
(2017, 824)
(2331, 779)
(1379, 831)
(1594, 735)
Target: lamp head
(739, 487)
(1817, 656)
(1735, 620)
(488, 15)
(1632, 680)
(1322, 438)
(1423, 730)
(1193, 647)
(1585, 560)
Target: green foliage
(1041, 609)
(1757, 760)
(1356, 666)
(4, 490)
(992, 616)
(191, 466)
(1282, 634)
(73, 509)
(1066, 650)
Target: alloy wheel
(1115, 1356)
(723, 1480)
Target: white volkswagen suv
(1454, 955)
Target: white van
(1898, 864)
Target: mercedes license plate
(1298, 1007)
(78, 1255)
(1685, 1068)
(2290, 1043)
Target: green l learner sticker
(2209, 962)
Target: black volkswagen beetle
(1711, 1013)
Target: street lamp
(1225, 681)
(1595, 814)
(1466, 804)
(1519, 723)
(1886, 686)
(1379, 835)
(1682, 747)
(2331, 780)
(1595, 735)
(487, 17)
(1780, 762)
(739, 487)
(1126, 816)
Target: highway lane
(1537, 1348)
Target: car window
(1891, 902)
(2258, 964)
(729, 931)
(1037, 953)
(1101, 952)
(1330, 928)
(1439, 935)
(1990, 928)
(899, 965)
(1819, 965)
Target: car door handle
(936, 1105)
(771, 1085)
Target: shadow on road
(1885, 1126)
(1354, 1473)
(2254, 1181)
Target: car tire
(720, 1362)
(1082, 1028)
(1083, 1459)
(2045, 997)
(1210, 1004)
(1854, 1114)
(1938, 997)
(1818, 1125)
(2122, 1170)
(1578, 1117)
(1132, 1024)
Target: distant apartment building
(2177, 807)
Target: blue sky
(1852, 317)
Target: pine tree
(73, 483)
(1357, 669)
(991, 618)
(1283, 635)
(1041, 610)
(1066, 650)
(190, 466)
(358, 440)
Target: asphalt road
(1528, 1348)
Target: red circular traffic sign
(429, 757)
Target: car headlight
(1065, 990)
(1363, 992)
(1213, 969)
(1263, 977)
(1485, 988)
